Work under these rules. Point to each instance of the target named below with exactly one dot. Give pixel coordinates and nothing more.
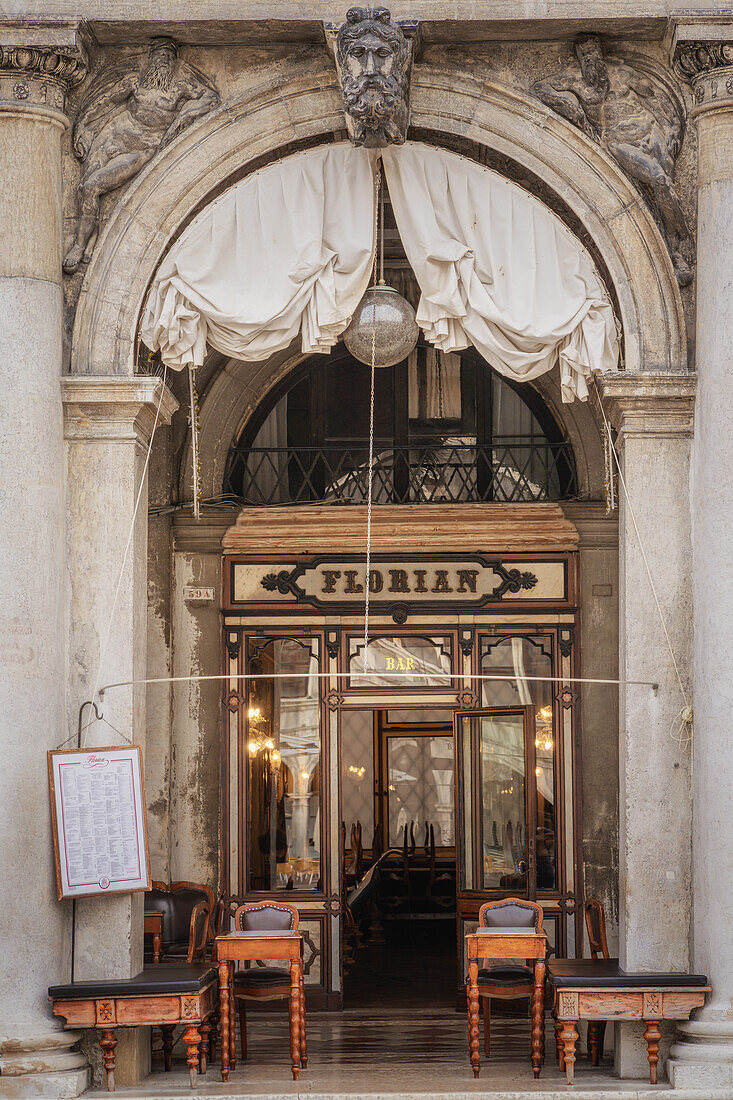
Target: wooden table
(598, 989)
(153, 924)
(158, 995)
(249, 946)
(497, 944)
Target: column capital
(39, 62)
(114, 409)
(649, 404)
(701, 52)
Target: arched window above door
(447, 429)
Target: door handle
(522, 866)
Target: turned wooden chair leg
(243, 1026)
(108, 1043)
(558, 1041)
(486, 1008)
(303, 1043)
(232, 1023)
(652, 1036)
(192, 1039)
(593, 1043)
(601, 1038)
(213, 1036)
(205, 1039)
(167, 1030)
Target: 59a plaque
(99, 826)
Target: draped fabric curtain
(290, 250)
(498, 270)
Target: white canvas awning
(290, 250)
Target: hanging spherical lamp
(388, 319)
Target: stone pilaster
(652, 415)
(108, 423)
(36, 67)
(702, 52)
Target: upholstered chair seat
(261, 977)
(505, 975)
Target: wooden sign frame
(95, 761)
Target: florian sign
(462, 582)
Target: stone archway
(241, 135)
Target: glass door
(496, 802)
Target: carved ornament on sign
(471, 582)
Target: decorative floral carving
(333, 700)
(105, 1012)
(189, 1008)
(512, 580)
(567, 636)
(282, 582)
(21, 90)
(638, 121)
(124, 119)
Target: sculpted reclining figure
(638, 123)
(123, 122)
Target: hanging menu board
(98, 815)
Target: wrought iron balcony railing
(449, 472)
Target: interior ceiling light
(383, 329)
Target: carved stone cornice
(702, 54)
(115, 410)
(39, 63)
(649, 404)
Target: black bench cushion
(607, 974)
(163, 978)
(505, 975)
(261, 977)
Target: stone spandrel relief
(124, 119)
(374, 59)
(638, 121)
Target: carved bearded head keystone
(373, 57)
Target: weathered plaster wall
(160, 660)
(195, 733)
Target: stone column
(703, 53)
(36, 67)
(108, 424)
(652, 415)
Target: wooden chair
(595, 923)
(266, 983)
(506, 982)
(198, 939)
(177, 900)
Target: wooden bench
(598, 989)
(163, 995)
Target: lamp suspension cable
(195, 427)
(370, 470)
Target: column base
(42, 1063)
(703, 1056)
